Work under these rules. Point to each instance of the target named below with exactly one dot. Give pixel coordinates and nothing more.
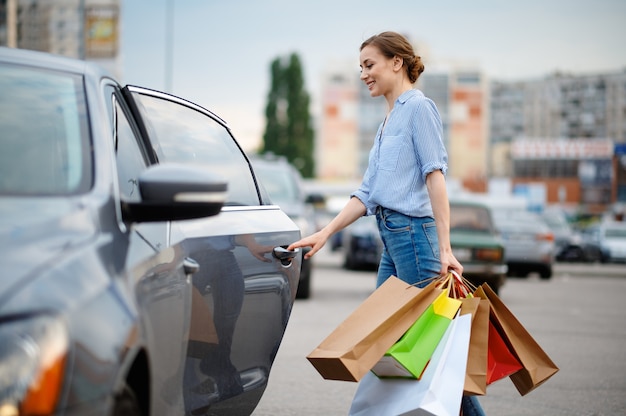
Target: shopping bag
(351, 350)
(408, 357)
(477, 356)
(537, 365)
(501, 362)
(438, 392)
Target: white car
(612, 241)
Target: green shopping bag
(408, 357)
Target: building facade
(566, 132)
(83, 29)
(337, 151)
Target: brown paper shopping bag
(537, 366)
(476, 373)
(356, 345)
(202, 332)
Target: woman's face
(376, 71)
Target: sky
(222, 49)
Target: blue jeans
(410, 247)
(411, 253)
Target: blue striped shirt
(405, 151)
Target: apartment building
(461, 95)
(337, 148)
(567, 132)
(84, 29)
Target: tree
(288, 130)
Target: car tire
(592, 256)
(348, 263)
(126, 403)
(304, 289)
(571, 254)
(304, 285)
(545, 273)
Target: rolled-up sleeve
(363, 194)
(428, 139)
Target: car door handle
(190, 266)
(285, 256)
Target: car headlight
(462, 254)
(33, 352)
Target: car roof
(268, 158)
(52, 61)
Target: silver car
(143, 271)
(528, 243)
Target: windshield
(616, 232)
(279, 184)
(44, 144)
(470, 218)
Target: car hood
(615, 243)
(475, 239)
(34, 232)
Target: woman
(404, 184)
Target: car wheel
(545, 273)
(304, 289)
(349, 262)
(304, 285)
(126, 403)
(592, 256)
(572, 254)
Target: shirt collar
(408, 94)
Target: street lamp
(169, 44)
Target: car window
(182, 134)
(615, 232)
(45, 144)
(130, 156)
(279, 183)
(470, 218)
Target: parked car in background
(283, 183)
(590, 236)
(361, 244)
(610, 239)
(144, 272)
(476, 243)
(528, 244)
(473, 237)
(569, 244)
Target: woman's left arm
(436, 184)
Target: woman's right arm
(353, 210)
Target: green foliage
(288, 130)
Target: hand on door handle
(285, 256)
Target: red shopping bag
(537, 365)
(501, 362)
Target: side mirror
(172, 192)
(315, 199)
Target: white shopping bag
(438, 392)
